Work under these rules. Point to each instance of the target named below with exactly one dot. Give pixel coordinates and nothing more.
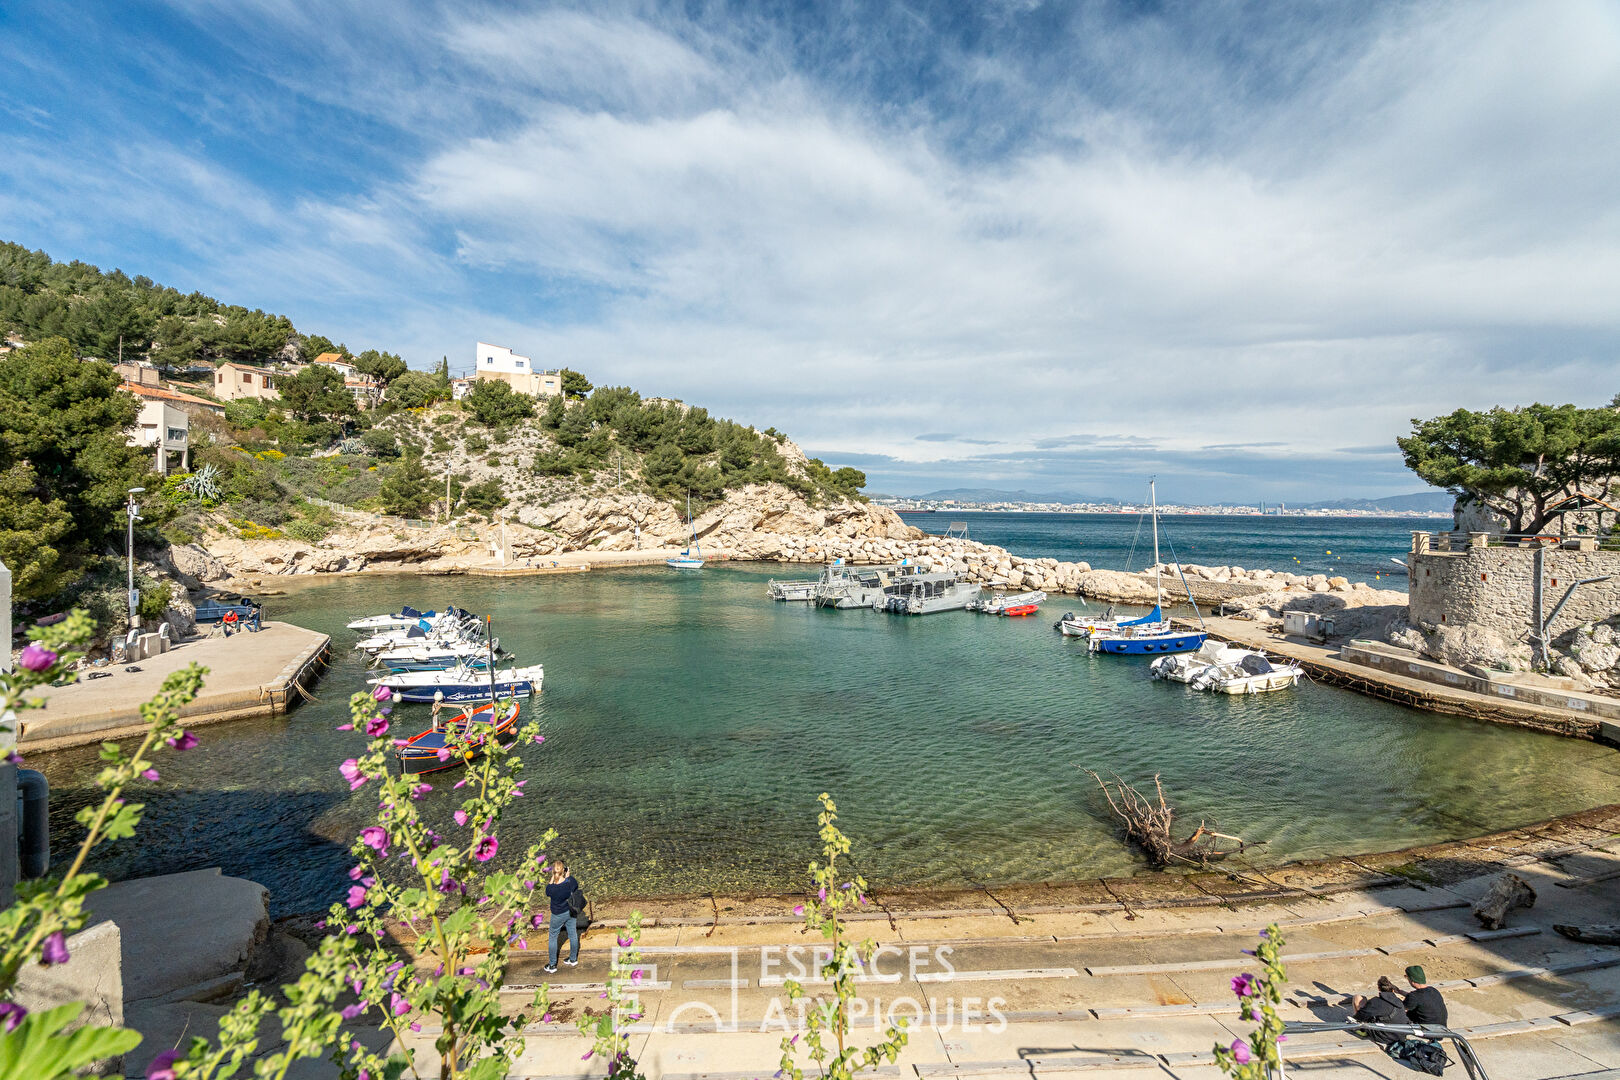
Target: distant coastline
(910, 506)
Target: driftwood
(1597, 934)
(1508, 892)
(1148, 824)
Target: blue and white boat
(692, 557)
(1150, 635)
(463, 683)
(402, 619)
(435, 657)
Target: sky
(1007, 244)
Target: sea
(1370, 549)
(691, 722)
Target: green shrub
(380, 443)
(441, 445)
(304, 529)
(475, 443)
(155, 596)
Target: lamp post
(133, 511)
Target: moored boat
(692, 557)
(431, 750)
(1185, 667)
(1009, 604)
(790, 590)
(1135, 639)
(926, 594)
(463, 683)
(405, 617)
(1255, 673)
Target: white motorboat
(1072, 625)
(464, 684)
(1185, 667)
(1012, 604)
(1255, 673)
(461, 673)
(403, 619)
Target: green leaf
(39, 1051)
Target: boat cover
(1255, 664)
(1153, 616)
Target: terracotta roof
(169, 395)
(332, 358)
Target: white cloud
(1118, 231)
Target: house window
(247, 380)
(177, 434)
(519, 363)
(220, 377)
(1555, 583)
(489, 359)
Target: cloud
(1220, 239)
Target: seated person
(1386, 1008)
(1424, 1005)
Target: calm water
(1357, 548)
(690, 724)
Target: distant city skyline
(1019, 245)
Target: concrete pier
(1368, 668)
(249, 674)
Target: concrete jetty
(249, 674)
(1521, 699)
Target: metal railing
(462, 532)
(1457, 543)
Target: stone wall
(1494, 588)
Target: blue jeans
(554, 946)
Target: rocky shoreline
(759, 523)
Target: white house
(518, 372)
(165, 429)
(232, 382)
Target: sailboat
(692, 557)
(1151, 635)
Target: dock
(1366, 668)
(249, 675)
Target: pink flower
(484, 850)
(351, 1011)
(54, 951)
(1243, 985)
(624, 942)
(799, 909)
(183, 741)
(375, 838)
(151, 774)
(415, 1026)
(399, 1005)
(1240, 1052)
(357, 895)
(376, 726)
(162, 1066)
(443, 754)
(355, 872)
(460, 816)
(539, 739)
(12, 1013)
(351, 772)
(420, 790)
(635, 976)
(36, 657)
(382, 693)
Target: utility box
(1308, 624)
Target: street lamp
(133, 510)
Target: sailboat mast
(1153, 499)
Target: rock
(193, 565)
(183, 930)
(1507, 894)
(1338, 583)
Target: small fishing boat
(403, 618)
(1011, 605)
(1254, 674)
(791, 590)
(431, 657)
(423, 633)
(692, 557)
(1136, 639)
(430, 751)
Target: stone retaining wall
(1494, 588)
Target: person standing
(1424, 1005)
(560, 890)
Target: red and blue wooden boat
(420, 753)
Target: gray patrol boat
(926, 594)
(844, 586)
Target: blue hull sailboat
(1151, 635)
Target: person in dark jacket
(1424, 1005)
(559, 890)
(1386, 1008)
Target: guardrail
(1456, 543)
(462, 532)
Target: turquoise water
(691, 722)
(1357, 548)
